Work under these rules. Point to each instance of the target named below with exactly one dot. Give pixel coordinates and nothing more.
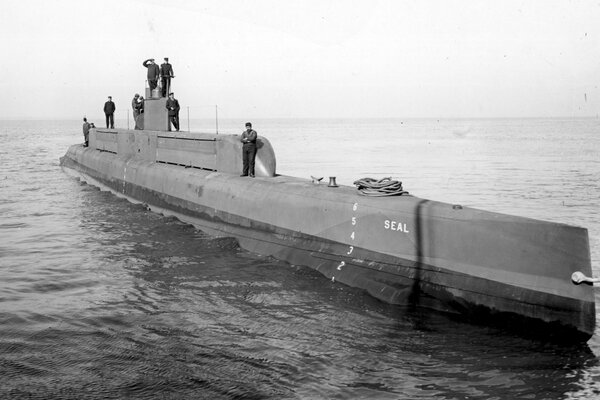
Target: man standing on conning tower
(166, 73)
(153, 72)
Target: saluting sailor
(153, 73)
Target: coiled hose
(381, 187)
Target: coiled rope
(381, 187)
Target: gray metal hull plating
(402, 250)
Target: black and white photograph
(383, 199)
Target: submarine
(484, 267)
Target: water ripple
(104, 299)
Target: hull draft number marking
(353, 221)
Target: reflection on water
(101, 298)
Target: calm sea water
(103, 299)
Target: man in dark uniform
(153, 73)
(173, 108)
(135, 106)
(166, 73)
(109, 110)
(248, 150)
(86, 132)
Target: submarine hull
(487, 267)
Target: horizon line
(322, 118)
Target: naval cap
(249, 124)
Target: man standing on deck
(109, 111)
(166, 73)
(248, 150)
(153, 72)
(173, 109)
(135, 106)
(86, 132)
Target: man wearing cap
(86, 132)
(248, 150)
(135, 106)
(153, 73)
(166, 73)
(109, 111)
(173, 109)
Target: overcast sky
(322, 58)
